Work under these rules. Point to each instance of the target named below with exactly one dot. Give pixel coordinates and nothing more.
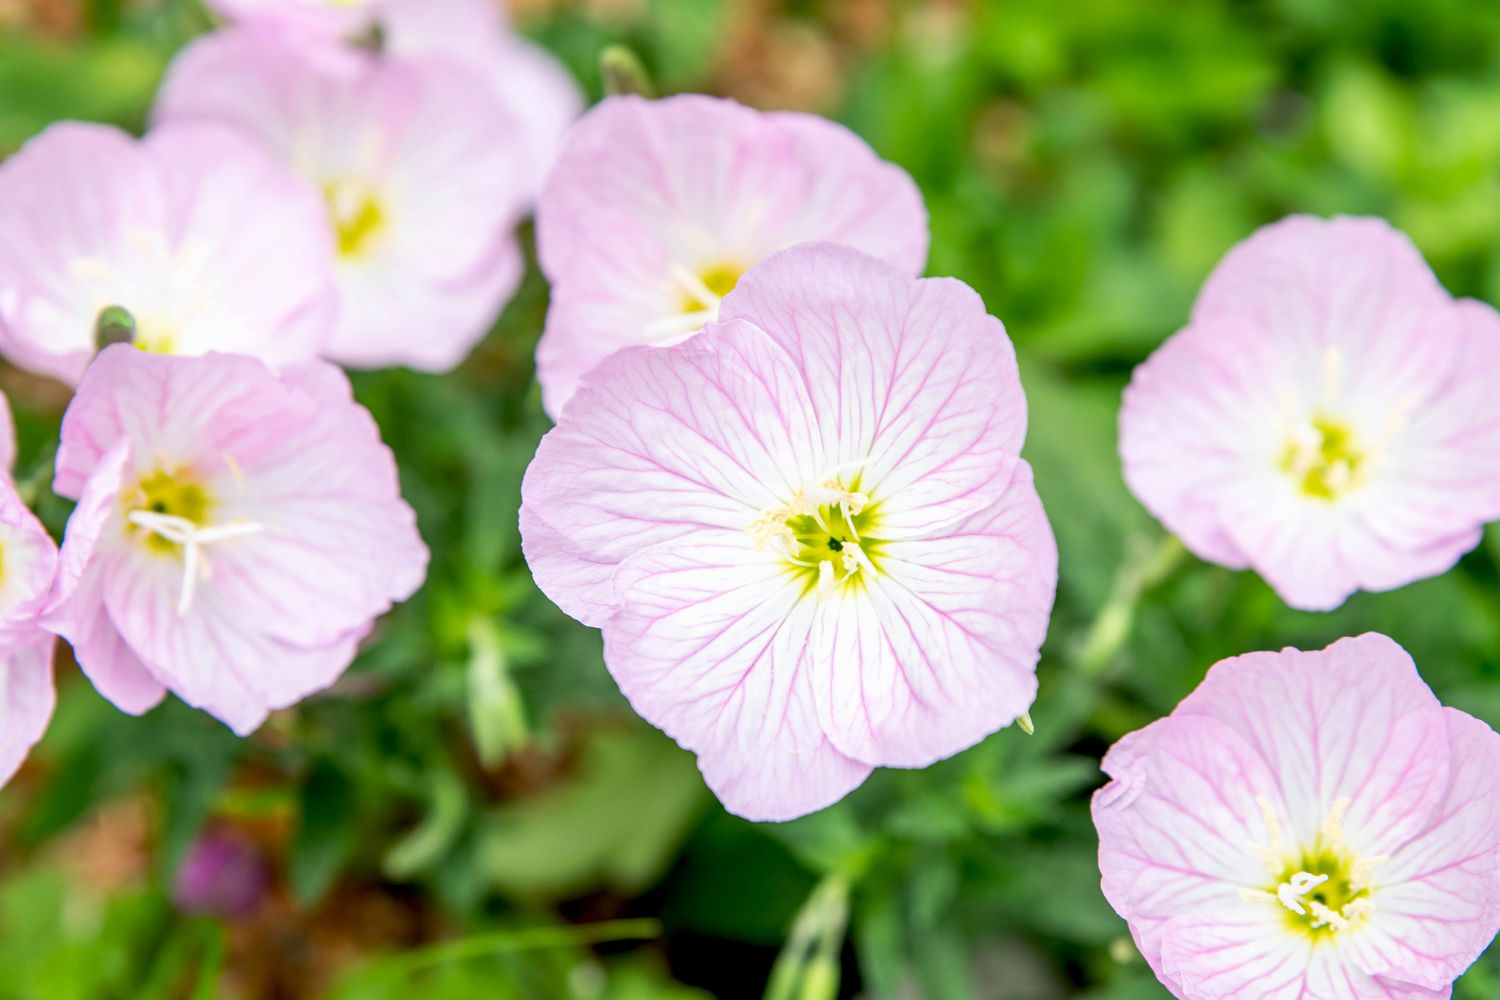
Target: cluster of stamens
(819, 531)
(1324, 889)
(1323, 458)
(173, 510)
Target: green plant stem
(1144, 567)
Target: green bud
(114, 325)
(623, 73)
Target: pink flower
(655, 209)
(418, 173)
(28, 561)
(236, 532)
(1306, 826)
(203, 241)
(807, 534)
(525, 77)
(1329, 417)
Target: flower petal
(642, 189)
(714, 648)
(911, 379)
(1181, 828)
(27, 697)
(938, 648)
(76, 609)
(1351, 722)
(658, 445)
(1438, 898)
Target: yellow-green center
(718, 280)
(1326, 460)
(357, 214)
(1327, 885)
(828, 534)
(176, 493)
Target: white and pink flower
(417, 169)
(194, 237)
(1306, 826)
(807, 534)
(656, 208)
(1328, 418)
(237, 531)
(474, 34)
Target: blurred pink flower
(655, 209)
(206, 242)
(418, 172)
(1306, 825)
(223, 875)
(807, 535)
(235, 536)
(1328, 418)
(533, 85)
(28, 562)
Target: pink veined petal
(162, 408)
(644, 191)
(213, 657)
(70, 201)
(76, 609)
(1438, 897)
(1352, 285)
(659, 444)
(1244, 953)
(1181, 826)
(1352, 722)
(27, 697)
(938, 648)
(30, 563)
(912, 382)
(714, 648)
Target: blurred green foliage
(1084, 166)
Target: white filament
(193, 538)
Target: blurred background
(474, 812)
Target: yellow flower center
(1324, 889)
(1324, 459)
(826, 533)
(175, 494)
(357, 214)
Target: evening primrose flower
(416, 168)
(236, 534)
(656, 208)
(806, 535)
(28, 562)
(1306, 825)
(1328, 418)
(534, 87)
(187, 241)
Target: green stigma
(1326, 462)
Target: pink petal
(660, 445)
(1353, 721)
(693, 182)
(27, 697)
(76, 611)
(938, 649)
(1438, 897)
(714, 648)
(912, 380)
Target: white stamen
(192, 538)
(1300, 885)
(671, 327)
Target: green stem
(808, 966)
(1142, 569)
